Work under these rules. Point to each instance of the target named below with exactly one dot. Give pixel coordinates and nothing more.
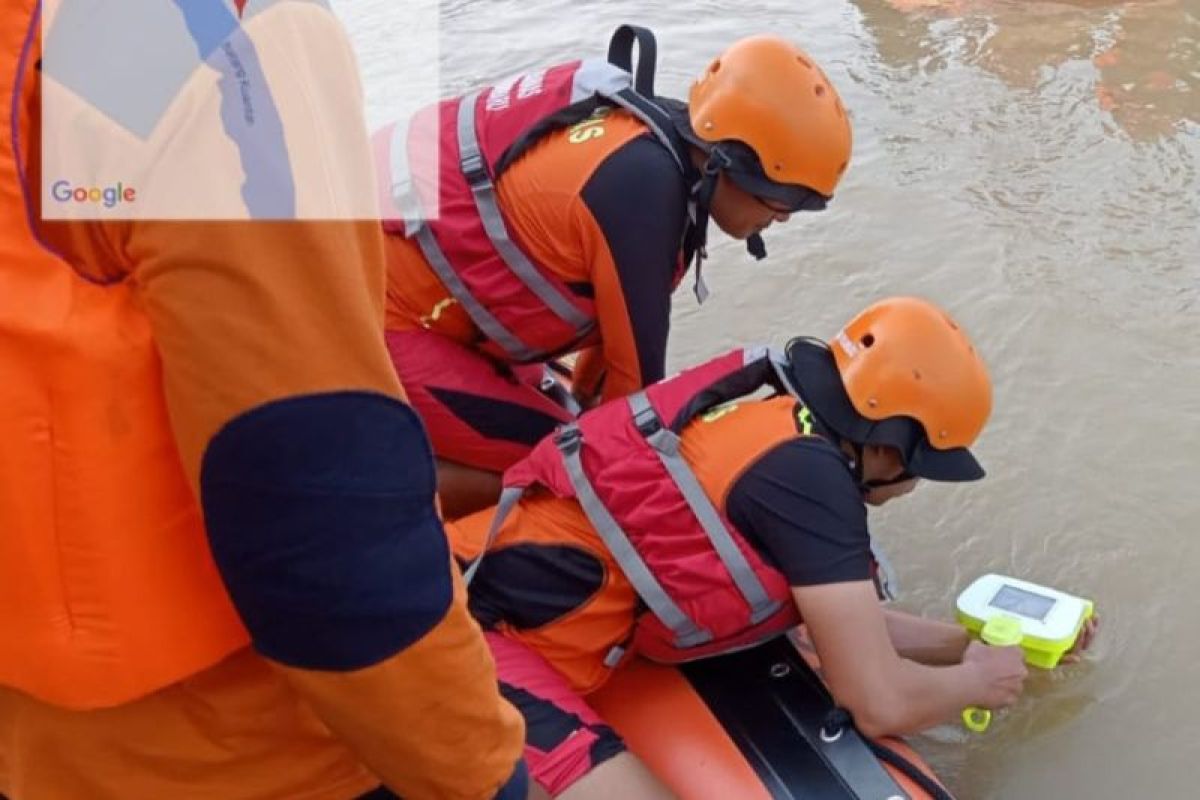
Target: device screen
(1019, 601)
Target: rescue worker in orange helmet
(563, 209)
(690, 520)
(221, 571)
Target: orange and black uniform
(813, 529)
(555, 602)
(310, 635)
(604, 206)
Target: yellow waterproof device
(1006, 611)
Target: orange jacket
(108, 595)
(94, 585)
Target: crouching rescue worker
(277, 639)
(563, 209)
(689, 520)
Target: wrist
(952, 643)
(970, 686)
(961, 641)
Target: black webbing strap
(620, 54)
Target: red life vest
(436, 182)
(623, 464)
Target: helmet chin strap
(904, 477)
(702, 195)
(856, 467)
(756, 247)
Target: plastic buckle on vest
(568, 438)
(474, 170)
(647, 422)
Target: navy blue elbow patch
(320, 515)
(517, 787)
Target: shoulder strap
(474, 169)
(509, 498)
(764, 367)
(612, 82)
(666, 444)
(687, 632)
(563, 118)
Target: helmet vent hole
(819, 89)
(842, 168)
(867, 340)
(804, 61)
(916, 374)
(779, 167)
(715, 68)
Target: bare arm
(885, 692)
(925, 641)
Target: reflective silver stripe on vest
(484, 320)
(599, 77)
(779, 362)
(666, 445)
(401, 191)
(508, 501)
(596, 76)
(687, 632)
(754, 352)
(625, 101)
(475, 169)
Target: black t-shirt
(639, 198)
(800, 506)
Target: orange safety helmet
(767, 94)
(901, 373)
